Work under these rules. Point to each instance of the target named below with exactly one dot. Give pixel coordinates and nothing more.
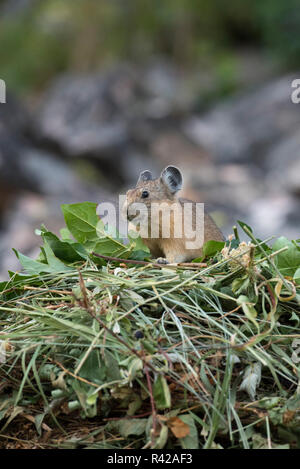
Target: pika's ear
(172, 178)
(144, 176)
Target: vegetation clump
(100, 348)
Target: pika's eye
(145, 194)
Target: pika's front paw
(161, 260)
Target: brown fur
(172, 248)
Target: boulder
(80, 117)
(100, 114)
(283, 164)
(242, 128)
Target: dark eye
(145, 194)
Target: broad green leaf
(81, 220)
(108, 242)
(190, 441)
(68, 251)
(31, 266)
(139, 250)
(53, 262)
(288, 262)
(210, 248)
(19, 277)
(65, 234)
(93, 369)
(198, 259)
(109, 247)
(240, 284)
(132, 427)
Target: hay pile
(102, 353)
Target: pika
(171, 227)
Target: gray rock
(79, 116)
(293, 180)
(276, 214)
(99, 114)
(283, 164)
(134, 162)
(171, 147)
(242, 127)
(167, 90)
(13, 116)
(14, 123)
(23, 167)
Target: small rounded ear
(172, 178)
(144, 176)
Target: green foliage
(90, 235)
(161, 393)
(287, 261)
(53, 36)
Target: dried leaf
(178, 427)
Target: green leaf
(18, 277)
(38, 420)
(240, 284)
(244, 225)
(92, 399)
(234, 243)
(68, 251)
(84, 224)
(198, 259)
(109, 242)
(65, 234)
(297, 276)
(31, 266)
(210, 248)
(109, 247)
(288, 262)
(139, 250)
(190, 441)
(112, 367)
(162, 439)
(161, 393)
(81, 220)
(54, 263)
(136, 365)
(4, 286)
(132, 427)
(248, 308)
(93, 369)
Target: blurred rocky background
(99, 90)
